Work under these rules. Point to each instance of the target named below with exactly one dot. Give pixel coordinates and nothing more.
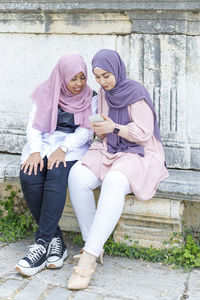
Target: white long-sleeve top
(77, 143)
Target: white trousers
(96, 224)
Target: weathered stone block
(9, 167)
(161, 64)
(68, 221)
(65, 23)
(181, 185)
(149, 223)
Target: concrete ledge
(94, 4)
(150, 222)
(180, 185)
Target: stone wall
(158, 40)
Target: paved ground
(119, 278)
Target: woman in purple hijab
(126, 156)
(58, 134)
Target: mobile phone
(96, 118)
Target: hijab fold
(125, 93)
(53, 93)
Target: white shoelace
(35, 252)
(55, 246)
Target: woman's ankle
(87, 261)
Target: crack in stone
(186, 289)
(3, 245)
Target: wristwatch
(116, 130)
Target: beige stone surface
(192, 215)
(8, 187)
(68, 221)
(66, 23)
(149, 223)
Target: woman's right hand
(100, 136)
(32, 163)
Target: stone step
(180, 185)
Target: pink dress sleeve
(142, 125)
(140, 130)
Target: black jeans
(45, 195)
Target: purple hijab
(125, 93)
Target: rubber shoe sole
(58, 263)
(29, 271)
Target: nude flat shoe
(80, 278)
(78, 256)
(99, 259)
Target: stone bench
(150, 222)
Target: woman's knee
(81, 175)
(77, 175)
(58, 174)
(27, 179)
(117, 181)
(114, 176)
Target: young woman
(128, 157)
(58, 135)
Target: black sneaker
(57, 253)
(35, 260)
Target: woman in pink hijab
(58, 134)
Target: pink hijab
(53, 92)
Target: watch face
(116, 130)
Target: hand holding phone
(96, 118)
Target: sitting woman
(127, 157)
(58, 135)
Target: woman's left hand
(55, 158)
(103, 127)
